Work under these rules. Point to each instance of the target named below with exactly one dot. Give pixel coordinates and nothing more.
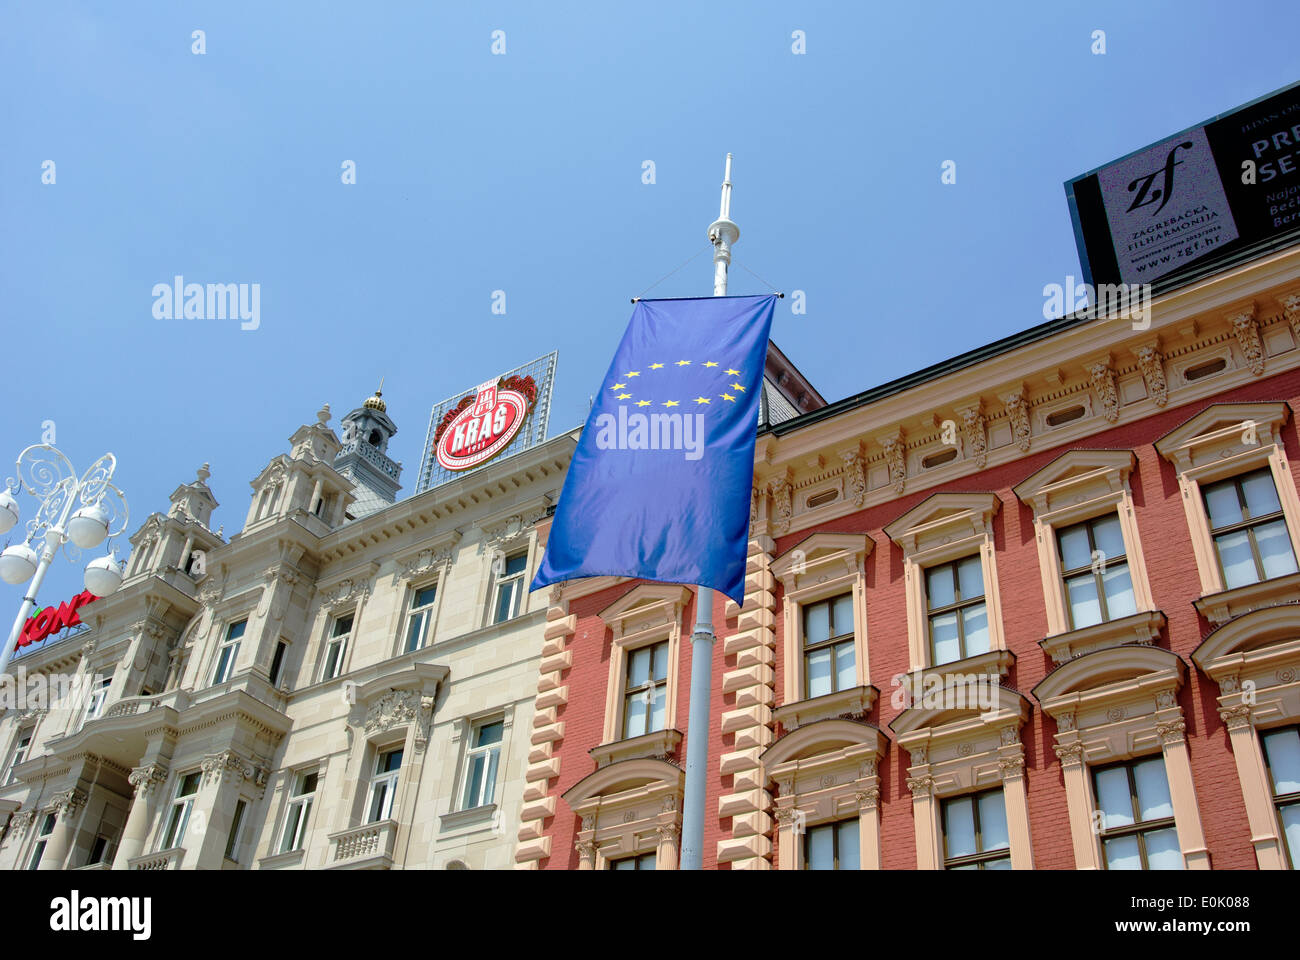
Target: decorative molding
(1291, 309)
(146, 778)
(782, 505)
(895, 448)
(394, 708)
(66, 804)
(1245, 326)
(1102, 376)
(1172, 731)
(21, 822)
(1151, 361)
(1011, 768)
(226, 767)
(855, 475)
(973, 426)
(1234, 718)
(1070, 754)
(346, 591)
(1017, 408)
(427, 561)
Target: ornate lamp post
(73, 513)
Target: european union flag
(660, 483)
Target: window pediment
(1076, 477)
(823, 737)
(945, 721)
(1113, 672)
(1251, 632)
(648, 607)
(1221, 430)
(821, 558)
(944, 518)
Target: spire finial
(376, 402)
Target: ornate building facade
(1036, 607)
(348, 681)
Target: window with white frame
(42, 840)
(958, 615)
(975, 835)
(98, 694)
(645, 690)
(300, 802)
(277, 661)
(509, 588)
(21, 748)
(383, 785)
(1282, 754)
(829, 645)
(1251, 541)
(229, 651)
(832, 846)
(236, 828)
(643, 861)
(1094, 568)
(187, 791)
(1137, 828)
(481, 763)
(337, 646)
(419, 618)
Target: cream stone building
(348, 681)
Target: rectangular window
(186, 792)
(277, 662)
(98, 694)
(383, 786)
(295, 823)
(959, 620)
(1094, 567)
(1282, 753)
(337, 647)
(42, 838)
(98, 850)
(228, 651)
(832, 846)
(481, 764)
(236, 824)
(510, 589)
(644, 861)
(1137, 816)
(22, 746)
(419, 618)
(645, 690)
(1249, 531)
(975, 832)
(828, 646)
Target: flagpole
(722, 234)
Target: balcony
(368, 847)
(162, 860)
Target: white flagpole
(722, 233)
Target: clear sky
(523, 172)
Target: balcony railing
(370, 845)
(162, 860)
(385, 464)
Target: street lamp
(76, 514)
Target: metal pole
(53, 539)
(722, 233)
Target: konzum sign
(53, 619)
(484, 424)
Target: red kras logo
(483, 428)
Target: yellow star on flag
(671, 403)
(655, 366)
(633, 373)
(683, 363)
(625, 396)
(710, 363)
(643, 403)
(737, 386)
(618, 386)
(733, 373)
(727, 396)
(703, 400)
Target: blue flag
(660, 482)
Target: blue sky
(522, 172)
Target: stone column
(147, 781)
(66, 807)
(214, 810)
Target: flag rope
(669, 274)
